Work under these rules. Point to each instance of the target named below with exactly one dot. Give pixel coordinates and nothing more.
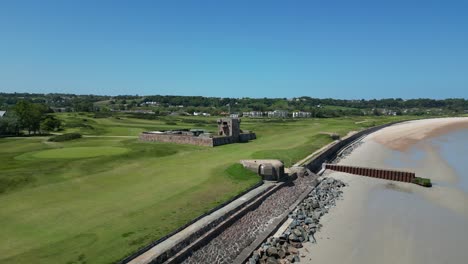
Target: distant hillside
(187, 105)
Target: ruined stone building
(228, 132)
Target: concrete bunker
(269, 169)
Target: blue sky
(341, 49)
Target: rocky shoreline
(305, 223)
(226, 246)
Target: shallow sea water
(419, 229)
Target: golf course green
(99, 198)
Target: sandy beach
(404, 135)
(380, 221)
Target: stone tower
(229, 127)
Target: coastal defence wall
(329, 153)
(314, 164)
(197, 233)
(203, 236)
(393, 175)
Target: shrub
(65, 137)
(102, 114)
(422, 181)
(196, 121)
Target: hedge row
(65, 137)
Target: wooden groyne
(393, 175)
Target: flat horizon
(143, 95)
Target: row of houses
(201, 114)
(137, 111)
(277, 114)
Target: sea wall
(315, 163)
(233, 222)
(232, 240)
(197, 234)
(300, 227)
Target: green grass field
(101, 197)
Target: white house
(301, 114)
(252, 114)
(278, 114)
(201, 114)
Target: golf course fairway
(79, 152)
(100, 198)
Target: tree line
(164, 104)
(34, 118)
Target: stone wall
(180, 139)
(218, 141)
(199, 141)
(244, 137)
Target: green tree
(29, 115)
(83, 106)
(9, 124)
(50, 123)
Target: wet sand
(404, 135)
(380, 221)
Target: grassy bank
(98, 198)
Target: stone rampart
(193, 140)
(180, 139)
(218, 141)
(244, 137)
